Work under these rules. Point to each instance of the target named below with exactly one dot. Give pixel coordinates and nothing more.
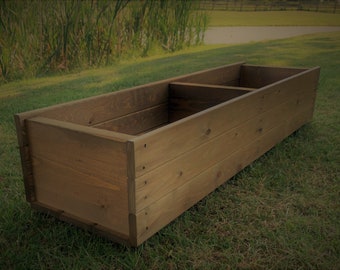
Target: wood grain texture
(125, 164)
(225, 75)
(98, 109)
(82, 174)
(188, 98)
(200, 127)
(260, 76)
(138, 122)
(169, 176)
(102, 108)
(83, 223)
(26, 162)
(302, 97)
(157, 215)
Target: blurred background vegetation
(40, 36)
(272, 5)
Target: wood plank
(26, 163)
(98, 109)
(151, 219)
(85, 152)
(225, 75)
(169, 176)
(131, 193)
(138, 122)
(260, 76)
(180, 108)
(173, 138)
(188, 98)
(101, 108)
(86, 196)
(206, 91)
(79, 172)
(82, 223)
(21, 119)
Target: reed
(43, 36)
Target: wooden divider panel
(80, 171)
(188, 98)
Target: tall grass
(39, 36)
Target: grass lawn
(272, 18)
(281, 212)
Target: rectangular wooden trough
(127, 163)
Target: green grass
(272, 18)
(281, 212)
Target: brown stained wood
(225, 75)
(131, 175)
(138, 122)
(26, 164)
(20, 129)
(160, 181)
(22, 118)
(80, 173)
(180, 108)
(205, 91)
(102, 108)
(260, 76)
(85, 152)
(86, 196)
(94, 110)
(114, 164)
(83, 223)
(157, 215)
(133, 239)
(188, 98)
(299, 120)
(173, 138)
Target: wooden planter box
(127, 163)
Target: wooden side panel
(260, 76)
(188, 98)
(138, 122)
(102, 108)
(155, 216)
(166, 190)
(225, 75)
(79, 173)
(155, 184)
(183, 135)
(82, 223)
(26, 163)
